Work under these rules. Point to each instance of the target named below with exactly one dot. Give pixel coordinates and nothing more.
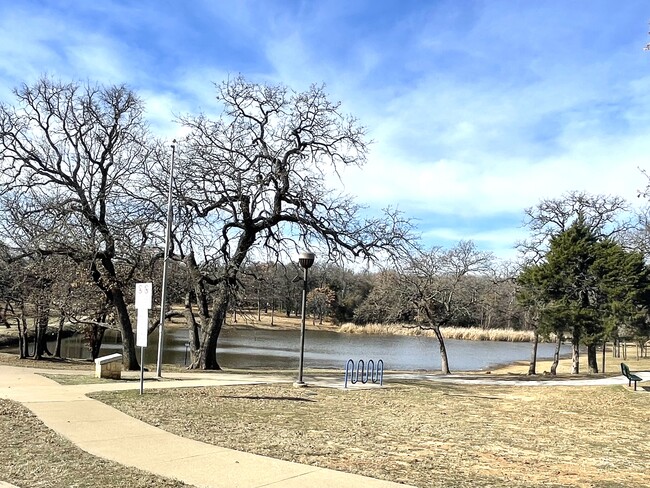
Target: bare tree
(320, 301)
(256, 178)
(68, 154)
(438, 283)
(386, 302)
(605, 215)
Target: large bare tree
(257, 177)
(68, 155)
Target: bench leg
(635, 386)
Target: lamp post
(163, 295)
(306, 259)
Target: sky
(477, 109)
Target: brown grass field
(420, 432)
(426, 434)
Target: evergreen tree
(588, 286)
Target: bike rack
(375, 375)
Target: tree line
(83, 191)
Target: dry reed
(463, 333)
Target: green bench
(630, 376)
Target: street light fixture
(306, 259)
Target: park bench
(109, 367)
(630, 376)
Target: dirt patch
(424, 434)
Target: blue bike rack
(375, 375)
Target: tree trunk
(604, 353)
(444, 366)
(59, 333)
(200, 296)
(533, 355)
(96, 334)
(39, 340)
(206, 356)
(193, 326)
(23, 343)
(556, 354)
(592, 358)
(41, 321)
(575, 354)
(129, 356)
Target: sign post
(142, 306)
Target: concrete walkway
(108, 433)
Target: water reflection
(279, 349)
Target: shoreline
(9, 339)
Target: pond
(279, 349)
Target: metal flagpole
(163, 297)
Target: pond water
(279, 349)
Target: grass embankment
(10, 359)
(33, 455)
(425, 434)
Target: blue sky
(477, 109)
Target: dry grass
(464, 333)
(424, 434)
(33, 455)
(612, 365)
(46, 363)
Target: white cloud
(501, 242)
(499, 186)
(477, 111)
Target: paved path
(108, 433)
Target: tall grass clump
(461, 333)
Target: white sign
(143, 295)
(142, 305)
(143, 328)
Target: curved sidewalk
(108, 433)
